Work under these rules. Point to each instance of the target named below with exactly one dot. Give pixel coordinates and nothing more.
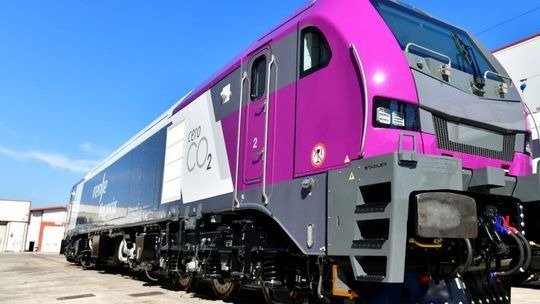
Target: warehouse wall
(47, 227)
(521, 61)
(14, 217)
(15, 236)
(33, 231)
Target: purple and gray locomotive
(362, 151)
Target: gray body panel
(437, 96)
(345, 197)
(284, 52)
(352, 202)
(294, 210)
(528, 188)
(291, 208)
(222, 110)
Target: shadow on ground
(203, 291)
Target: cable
(508, 20)
(529, 77)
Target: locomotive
(360, 152)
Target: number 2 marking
(209, 161)
(255, 143)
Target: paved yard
(30, 278)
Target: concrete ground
(29, 278)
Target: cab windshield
(412, 26)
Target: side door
(329, 111)
(257, 118)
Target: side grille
(444, 143)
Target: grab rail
(488, 72)
(272, 62)
(360, 67)
(428, 50)
(236, 202)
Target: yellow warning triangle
(351, 177)
(347, 159)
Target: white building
(521, 60)
(13, 224)
(46, 230)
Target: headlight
(384, 116)
(445, 215)
(393, 114)
(398, 119)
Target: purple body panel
(280, 141)
(340, 113)
(254, 142)
(327, 107)
(281, 135)
(229, 125)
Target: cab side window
(258, 78)
(315, 52)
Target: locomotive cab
(460, 113)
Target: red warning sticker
(318, 155)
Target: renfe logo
(100, 188)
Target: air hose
(528, 254)
(468, 261)
(527, 251)
(501, 228)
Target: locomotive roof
(233, 64)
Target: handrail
(272, 62)
(236, 202)
(360, 66)
(400, 142)
(496, 74)
(429, 50)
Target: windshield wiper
(465, 52)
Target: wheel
(88, 264)
(225, 289)
(187, 283)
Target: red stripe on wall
(42, 228)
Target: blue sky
(78, 78)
